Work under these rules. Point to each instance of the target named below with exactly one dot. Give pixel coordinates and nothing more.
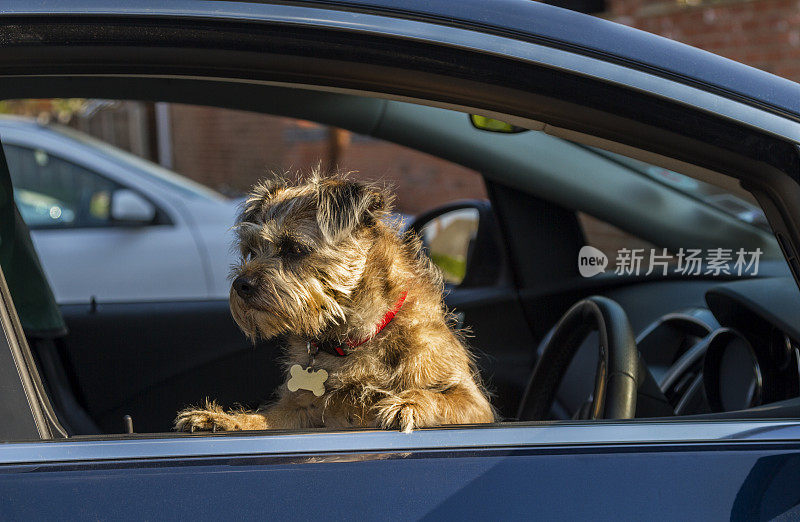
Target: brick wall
(762, 33)
(224, 149)
(229, 150)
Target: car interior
(718, 341)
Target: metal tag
(307, 379)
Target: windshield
(731, 198)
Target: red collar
(338, 350)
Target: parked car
(112, 227)
(685, 406)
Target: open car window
(148, 328)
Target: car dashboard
(738, 355)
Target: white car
(112, 227)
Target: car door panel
(149, 360)
(168, 355)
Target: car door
(671, 469)
(88, 255)
(611, 471)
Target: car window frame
(675, 93)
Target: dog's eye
(293, 249)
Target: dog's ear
(344, 205)
(258, 198)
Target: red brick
(761, 33)
(230, 150)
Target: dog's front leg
(213, 418)
(293, 411)
(289, 412)
(417, 408)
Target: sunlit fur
(351, 269)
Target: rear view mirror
(491, 125)
(129, 207)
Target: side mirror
(463, 240)
(130, 208)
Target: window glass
(148, 169)
(244, 146)
(721, 192)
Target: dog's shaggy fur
(324, 265)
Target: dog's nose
(244, 286)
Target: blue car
(630, 280)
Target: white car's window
(52, 192)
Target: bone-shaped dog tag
(307, 379)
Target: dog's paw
(203, 420)
(213, 418)
(405, 411)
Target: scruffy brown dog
(368, 338)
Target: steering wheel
(619, 374)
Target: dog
(370, 342)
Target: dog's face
(303, 250)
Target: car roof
(577, 32)
(521, 19)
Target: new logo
(591, 261)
